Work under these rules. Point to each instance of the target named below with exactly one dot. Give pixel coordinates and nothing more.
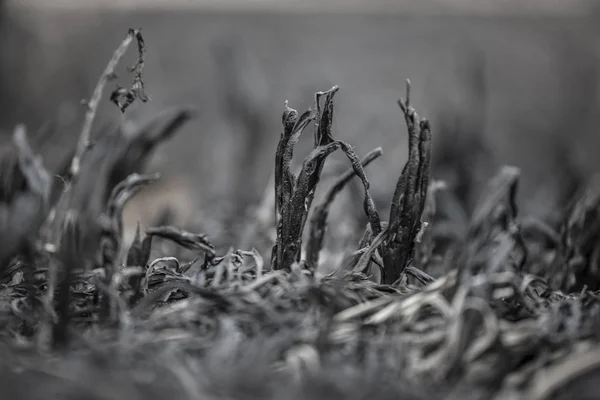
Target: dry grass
(427, 305)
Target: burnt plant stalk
(294, 195)
(409, 197)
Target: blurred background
(503, 82)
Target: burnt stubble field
(428, 229)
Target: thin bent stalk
(319, 218)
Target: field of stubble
(444, 246)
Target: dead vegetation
(425, 306)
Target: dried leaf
(189, 240)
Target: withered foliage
(426, 306)
(294, 195)
(321, 212)
(409, 197)
(123, 97)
